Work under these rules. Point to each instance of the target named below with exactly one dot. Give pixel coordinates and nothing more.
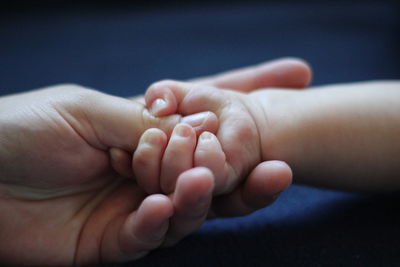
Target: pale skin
(66, 192)
(344, 136)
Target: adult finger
(142, 231)
(191, 202)
(260, 189)
(106, 121)
(284, 73)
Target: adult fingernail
(196, 120)
(158, 105)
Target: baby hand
(231, 154)
(157, 161)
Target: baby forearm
(343, 136)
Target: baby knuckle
(162, 84)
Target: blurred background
(120, 47)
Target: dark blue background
(120, 48)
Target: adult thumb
(107, 121)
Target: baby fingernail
(196, 120)
(158, 105)
(152, 138)
(206, 136)
(183, 130)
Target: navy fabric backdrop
(120, 48)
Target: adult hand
(61, 201)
